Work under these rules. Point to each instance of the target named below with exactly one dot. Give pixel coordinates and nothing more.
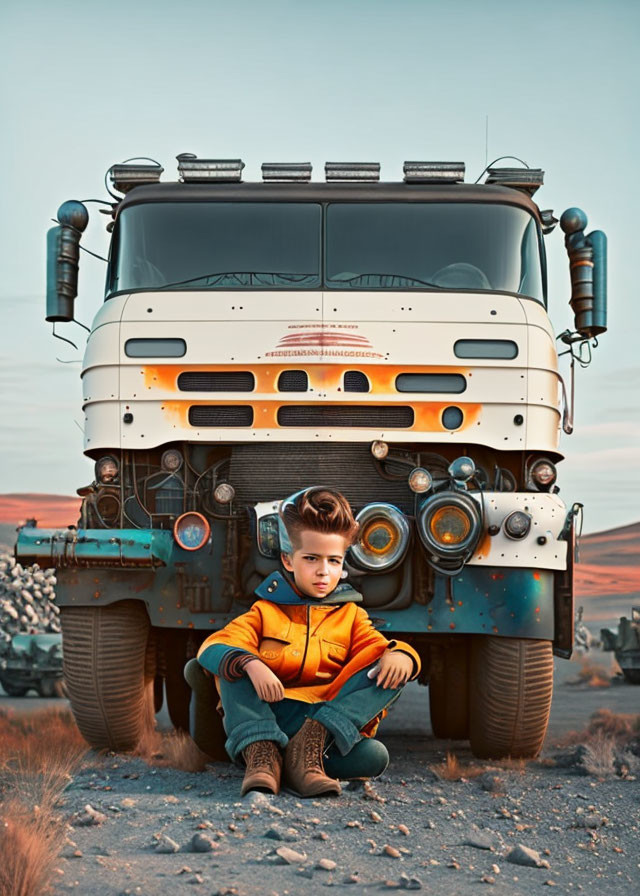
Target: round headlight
(171, 460)
(224, 493)
(107, 469)
(449, 524)
(379, 449)
(383, 537)
(543, 474)
(517, 524)
(191, 531)
(420, 480)
(108, 506)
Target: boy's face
(316, 563)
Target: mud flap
(563, 600)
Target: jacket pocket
(272, 652)
(335, 651)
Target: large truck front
(390, 340)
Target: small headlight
(383, 537)
(171, 460)
(379, 449)
(108, 506)
(191, 531)
(543, 474)
(420, 480)
(107, 469)
(224, 493)
(461, 469)
(517, 524)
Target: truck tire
(103, 651)
(632, 675)
(13, 690)
(449, 691)
(511, 683)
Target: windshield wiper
(360, 280)
(242, 278)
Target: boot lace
(313, 747)
(262, 751)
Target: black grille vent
(216, 415)
(266, 472)
(355, 381)
(293, 381)
(216, 381)
(369, 417)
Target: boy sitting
(304, 661)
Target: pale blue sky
(85, 85)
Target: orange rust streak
(321, 376)
(484, 548)
(428, 414)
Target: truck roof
(328, 192)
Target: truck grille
(293, 381)
(216, 381)
(369, 416)
(220, 415)
(269, 471)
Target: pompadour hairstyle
(320, 510)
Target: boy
(304, 661)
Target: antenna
(486, 140)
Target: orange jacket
(313, 647)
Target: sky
(84, 85)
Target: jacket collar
(280, 589)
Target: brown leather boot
(264, 765)
(303, 769)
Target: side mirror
(63, 252)
(588, 269)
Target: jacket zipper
(306, 643)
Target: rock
(492, 783)
(589, 820)
(488, 879)
(374, 816)
(410, 883)
(88, 817)
(202, 843)
(480, 840)
(166, 845)
(391, 851)
(326, 864)
(320, 835)
(523, 855)
(403, 829)
(288, 856)
(276, 832)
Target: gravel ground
(408, 830)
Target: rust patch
(326, 377)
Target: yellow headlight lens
(379, 537)
(450, 525)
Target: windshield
(369, 246)
(217, 245)
(432, 245)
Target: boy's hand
(395, 669)
(268, 686)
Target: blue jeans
(247, 718)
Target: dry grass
(591, 674)
(172, 749)
(611, 744)
(39, 754)
(454, 770)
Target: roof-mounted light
(125, 177)
(433, 172)
(193, 170)
(298, 172)
(527, 179)
(352, 171)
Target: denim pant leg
(246, 717)
(358, 701)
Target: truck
(389, 339)
(625, 645)
(32, 660)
